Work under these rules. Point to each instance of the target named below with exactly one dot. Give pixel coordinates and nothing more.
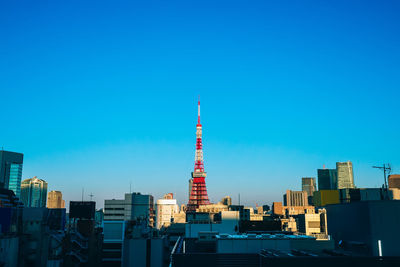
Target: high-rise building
(327, 179)
(394, 181)
(198, 194)
(55, 201)
(345, 177)
(308, 184)
(11, 171)
(295, 198)
(135, 206)
(165, 210)
(34, 192)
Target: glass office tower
(14, 183)
(11, 170)
(34, 192)
(327, 179)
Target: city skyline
(108, 95)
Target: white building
(165, 210)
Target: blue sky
(102, 94)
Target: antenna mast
(385, 168)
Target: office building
(309, 223)
(295, 198)
(394, 181)
(11, 171)
(327, 179)
(345, 176)
(55, 201)
(34, 192)
(309, 185)
(135, 206)
(165, 210)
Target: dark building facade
(11, 170)
(327, 179)
(365, 223)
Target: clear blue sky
(98, 94)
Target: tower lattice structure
(198, 194)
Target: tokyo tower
(198, 195)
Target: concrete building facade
(365, 223)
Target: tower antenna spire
(198, 111)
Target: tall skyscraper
(295, 198)
(327, 179)
(34, 192)
(11, 171)
(308, 184)
(198, 194)
(55, 201)
(165, 210)
(394, 181)
(345, 175)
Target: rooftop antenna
(91, 196)
(82, 193)
(130, 187)
(385, 168)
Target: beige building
(295, 198)
(166, 208)
(279, 209)
(54, 200)
(395, 193)
(289, 224)
(394, 181)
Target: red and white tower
(198, 195)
